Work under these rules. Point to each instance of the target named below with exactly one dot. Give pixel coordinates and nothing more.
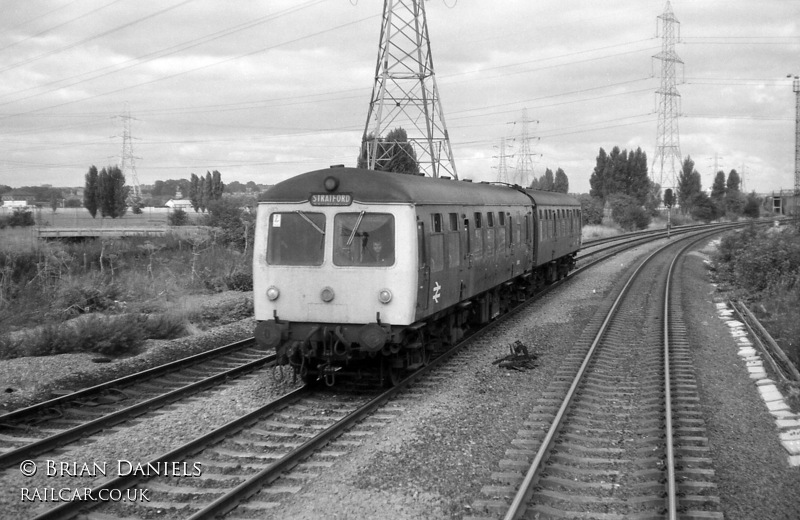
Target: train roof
(552, 198)
(380, 187)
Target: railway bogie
(361, 271)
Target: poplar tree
(201, 194)
(208, 190)
(718, 188)
(218, 185)
(194, 192)
(689, 185)
(90, 194)
(561, 184)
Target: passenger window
(490, 219)
(502, 218)
(437, 222)
(478, 221)
(363, 239)
(296, 238)
(453, 221)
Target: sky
(263, 91)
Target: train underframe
(327, 351)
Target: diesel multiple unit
(357, 270)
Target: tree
(90, 192)
(752, 206)
(733, 181)
(194, 192)
(702, 207)
(636, 182)
(591, 210)
(669, 198)
(208, 190)
(653, 198)
(217, 185)
(689, 185)
(394, 153)
(178, 217)
(561, 184)
(112, 192)
(621, 172)
(201, 194)
(734, 199)
(718, 188)
(235, 187)
(628, 213)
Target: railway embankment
(762, 268)
(30, 379)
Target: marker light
(273, 293)
(327, 294)
(385, 296)
(331, 183)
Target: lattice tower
(524, 170)
(796, 88)
(502, 167)
(127, 159)
(405, 94)
(667, 159)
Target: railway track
(37, 429)
(248, 465)
(619, 433)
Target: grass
(602, 231)
(762, 266)
(93, 296)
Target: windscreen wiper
(355, 228)
(305, 217)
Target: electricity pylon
(667, 159)
(502, 167)
(405, 94)
(524, 169)
(127, 159)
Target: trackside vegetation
(762, 266)
(109, 296)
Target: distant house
(17, 200)
(183, 204)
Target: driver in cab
(375, 254)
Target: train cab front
(332, 281)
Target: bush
(20, 218)
(110, 336)
(591, 210)
(628, 213)
(703, 208)
(752, 208)
(237, 224)
(178, 217)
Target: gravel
(434, 459)
(754, 477)
(24, 381)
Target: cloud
(263, 91)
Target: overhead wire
(93, 37)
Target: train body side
(352, 264)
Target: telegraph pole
(405, 94)
(796, 88)
(667, 159)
